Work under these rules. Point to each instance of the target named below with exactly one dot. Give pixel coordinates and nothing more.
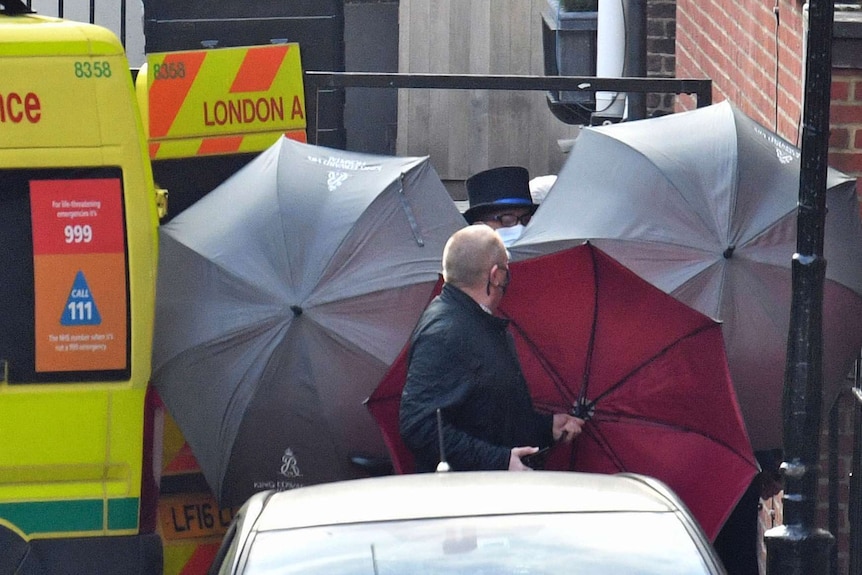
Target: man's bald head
(470, 253)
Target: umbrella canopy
(283, 297)
(703, 205)
(647, 372)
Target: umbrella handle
(584, 409)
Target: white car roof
(456, 494)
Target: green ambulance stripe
(35, 517)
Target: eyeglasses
(509, 220)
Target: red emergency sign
(79, 266)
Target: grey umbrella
(703, 205)
(283, 296)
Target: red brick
(840, 89)
(848, 114)
(839, 138)
(857, 141)
(848, 162)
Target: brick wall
(845, 113)
(752, 50)
(661, 50)
(845, 143)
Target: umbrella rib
(616, 417)
(601, 441)
(649, 360)
(556, 379)
(408, 212)
(582, 395)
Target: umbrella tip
(728, 253)
(297, 311)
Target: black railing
(318, 81)
(61, 13)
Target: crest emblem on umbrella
(289, 466)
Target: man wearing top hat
(500, 197)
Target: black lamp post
(798, 547)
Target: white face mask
(511, 234)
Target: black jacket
(463, 361)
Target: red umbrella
(385, 401)
(647, 372)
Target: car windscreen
(621, 543)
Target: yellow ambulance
(78, 254)
(81, 433)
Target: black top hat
(507, 186)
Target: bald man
(463, 362)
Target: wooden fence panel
(466, 131)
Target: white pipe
(610, 55)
